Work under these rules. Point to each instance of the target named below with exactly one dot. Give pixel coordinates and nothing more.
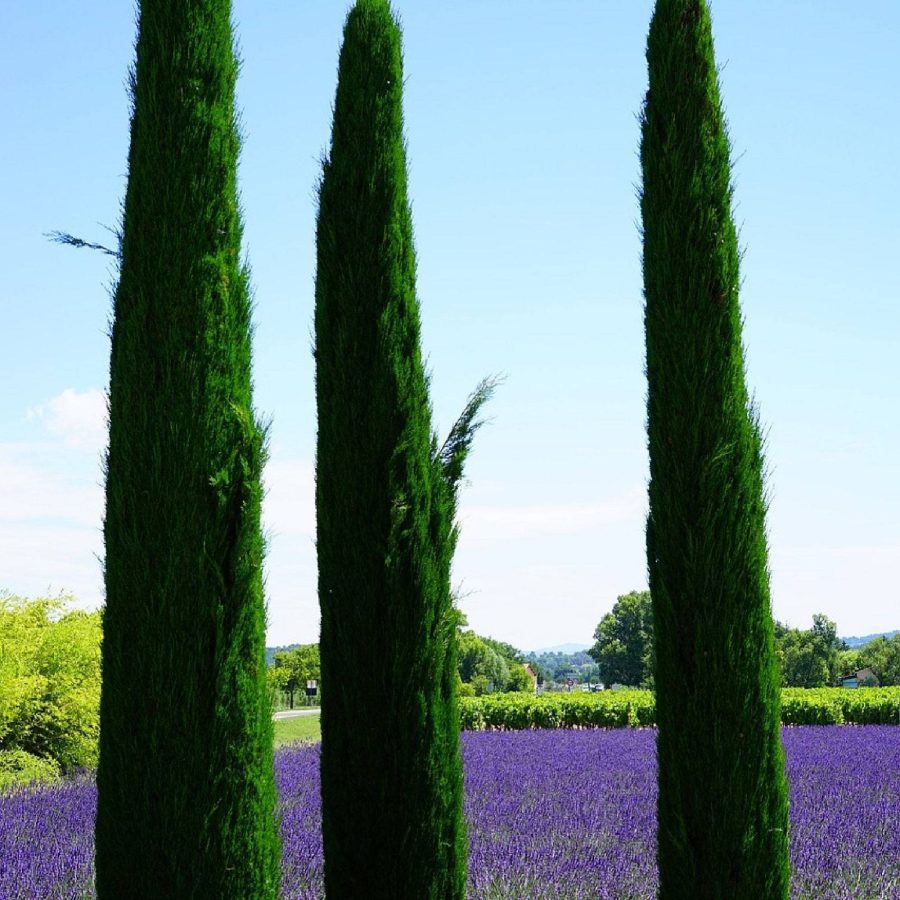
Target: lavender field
(552, 814)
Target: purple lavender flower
(47, 841)
(563, 814)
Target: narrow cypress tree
(722, 793)
(185, 784)
(385, 501)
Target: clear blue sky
(522, 127)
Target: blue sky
(522, 127)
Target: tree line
(807, 658)
(483, 666)
(555, 667)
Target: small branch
(63, 237)
(455, 449)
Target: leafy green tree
(809, 658)
(827, 643)
(623, 647)
(478, 658)
(291, 669)
(848, 661)
(49, 688)
(882, 656)
(471, 650)
(392, 789)
(802, 665)
(519, 680)
(186, 793)
(722, 807)
(507, 651)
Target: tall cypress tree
(385, 501)
(722, 793)
(185, 784)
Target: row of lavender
(567, 814)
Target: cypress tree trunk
(185, 784)
(391, 768)
(722, 792)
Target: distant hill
(562, 648)
(271, 651)
(854, 643)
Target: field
(552, 814)
(620, 709)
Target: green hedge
(606, 709)
(622, 709)
(838, 706)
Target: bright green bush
(624, 709)
(19, 767)
(519, 680)
(49, 688)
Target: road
(296, 713)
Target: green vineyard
(633, 709)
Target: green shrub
(519, 680)
(19, 767)
(49, 687)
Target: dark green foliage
(623, 647)
(186, 789)
(511, 654)
(480, 663)
(385, 501)
(809, 658)
(722, 793)
(883, 656)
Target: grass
(304, 729)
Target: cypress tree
(185, 784)
(722, 792)
(385, 501)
